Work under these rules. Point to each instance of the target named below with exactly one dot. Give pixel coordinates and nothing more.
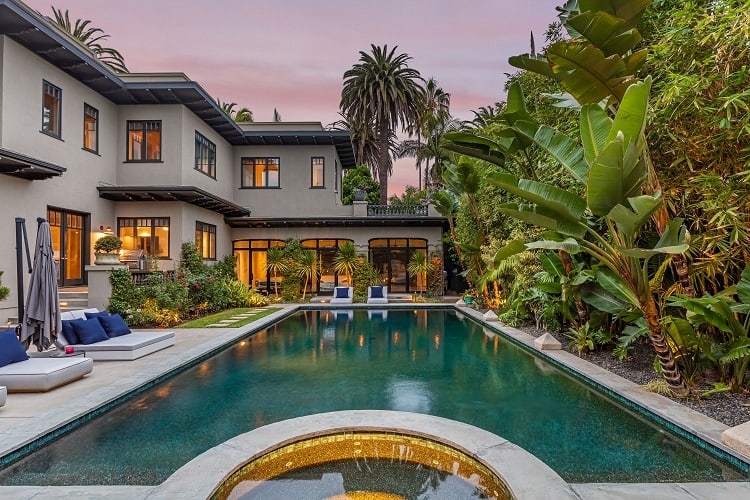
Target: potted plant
(468, 297)
(106, 250)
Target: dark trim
(323, 175)
(253, 186)
(57, 135)
(187, 194)
(208, 144)
(144, 144)
(95, 151)
(372, 222)
(153, 226)
(26, 167)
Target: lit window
(317, 170)
(260, 172)
(205, 155)
(51, 107)
(144, 140)
(90, 128)
(205, 240)
(150, 234)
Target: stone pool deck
(26, 417)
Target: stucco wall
(223, 185)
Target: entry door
(69, 241)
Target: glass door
(69, 241)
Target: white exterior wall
(191, 214)
(294, 197)
(223, 185)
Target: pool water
(425, 361)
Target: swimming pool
(317, 361)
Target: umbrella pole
(21, 238)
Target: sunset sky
(291, 54)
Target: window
(90, 128)
(205, 155)
(144, 140)
(150, 234)
(205, 240)
(260, 172)
(51, 109)
(317, 169)
(252, 259)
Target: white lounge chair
(377, 294)
(124, 348)
(343, 295)
(43, 374)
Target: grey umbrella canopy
(41, 322)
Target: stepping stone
(547, 343)
(216, 325)
(490, 316)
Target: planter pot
(469, 300)
(359, 195)
(107, 259)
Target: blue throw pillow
(114, 325)
(342, 292)
(376, 292)
(11, 350)
(68, 332)
(98, 314)
(90, 331)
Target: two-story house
(154, 159)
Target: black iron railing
(396, 210)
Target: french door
(70, 242)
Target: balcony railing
(396, 210)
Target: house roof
(32, 31)
(270, 222)
(26, 167)
(187, 194)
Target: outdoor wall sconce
(106, 229)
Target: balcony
(397, 210)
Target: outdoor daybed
(343, 295)
(125, 347)
(20, 373)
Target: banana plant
(616, 173)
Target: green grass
(205, 321)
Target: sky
(291, 54)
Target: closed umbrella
(41, 322)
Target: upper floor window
(260, 172)
(205, 240)
(205, 155)
(150, 234)
(144, 140)
(51, 109)
(90, 128)
(317, 171)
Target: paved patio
(25, 417)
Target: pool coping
(48, 425)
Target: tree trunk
(663, 352)
(384, 153)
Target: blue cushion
(376, 292)
(342, 292)
(114, 325)
(98, 314)
(68, 332)
(11, 350)
(89, 331)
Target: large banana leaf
(445, 202)
(595, 127)
(599, 298)
(630, 119)
(743, 287)
(468, 144)
(462, 178)
(541, 217)
(605, 183)
(673, 241)
(561, 147)
(629, 222)
(567, 245)
(512, 248)
(567, 205)
(634, 61)
(515, 109)
(611, 281)
(533, 63)
(605, 31)
(628, 10)
(584, 71)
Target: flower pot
(359, 195)
(469, 300)
(107, 259)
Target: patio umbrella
(41, 322)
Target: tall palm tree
(308, 268)
(363, 139)
(430, 149)
(384, 90)
(91, 38)
(242, 115)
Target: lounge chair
(3, 395)
(123, 348)
(23, 374)
(343, 295)
(377, 295)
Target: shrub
(364, 275)
(4, 290)
(107, 244)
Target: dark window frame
(322, 173)
(152, 224)
(55, 92)
(200, 229)
(144, 143)
(203, 144)
(249, 161)
(91, 111)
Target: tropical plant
(276, 115)
(359, 178)
(346, 260)
(91, 37)
(410, 197)
(276, 262)
(241, 115)
(364, 275)
(307, 268)
(382, 89)
(362, 131)
(419, 266)
(107, 244)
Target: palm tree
(91, 38)
(384, 91)
(363, 138)
(276, 263)
(308, 268)
(346, 260)
(276, 115)
(420, 266)
(242, 115)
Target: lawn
(248, 315)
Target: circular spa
(359, 465)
